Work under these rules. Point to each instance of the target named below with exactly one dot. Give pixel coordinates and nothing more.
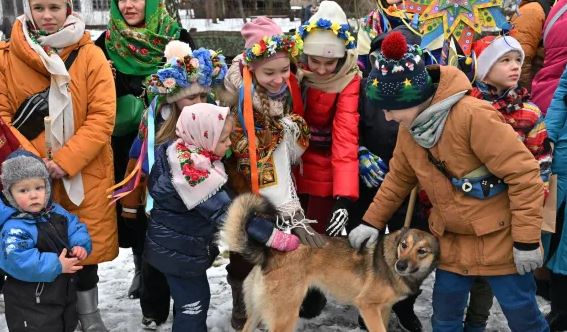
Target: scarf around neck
(337, 82)
(197, 174)
(428, 126)
(60, 101)
(508, 101)
(139, 50)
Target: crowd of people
(141, 139)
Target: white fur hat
(325, 43)
(495, 50)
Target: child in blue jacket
(41, 245)
(190, 203)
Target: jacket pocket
(491, 224)
(495, 239)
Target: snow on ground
(122, 314)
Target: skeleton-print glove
(339, 218)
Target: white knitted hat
(325, 43)
(493, 52)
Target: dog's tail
(233, 233)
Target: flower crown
(268, 46)
(340, 30)
(202, 66)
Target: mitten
(308, 236)
(371, 167)
(527, 260)
(339, 218)
(362, 233)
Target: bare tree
(172, 7)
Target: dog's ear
(399, 235)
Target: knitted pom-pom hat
(400, 79)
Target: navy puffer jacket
(179, 241)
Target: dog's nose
(401, 265)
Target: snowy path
(122, 314)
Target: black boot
(406, 316)
(557, 318)
(135, 287)
(313, 304)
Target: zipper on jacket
(38, 291)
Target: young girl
(264, 93)
(186, 79)
(328, 179)
(190, 203)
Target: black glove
(308, 236)
(339, 218)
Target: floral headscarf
(197, 173)
(139, 51)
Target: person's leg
(87, 300)
(450, 295)
(154, 297)
(191, 299)
(557, 318)
(480, 302)
(406, 315)
(516, 295)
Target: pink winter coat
(555, 44)
(332, 172)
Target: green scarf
(139, 51)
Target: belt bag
(29, 116)
(480, 184)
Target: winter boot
(313, 304)
(89, 315)
(135, 287)
(406, 316)
(238, 317)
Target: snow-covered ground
(122, 314)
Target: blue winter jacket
(179, 241)
(19, 256)
(556, 123)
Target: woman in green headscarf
(134, 44)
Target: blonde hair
(166, 132)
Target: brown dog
(371, 279)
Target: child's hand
(79, 252)
(55, 171)
(68, 265)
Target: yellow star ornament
(407, 82)
(375, 82)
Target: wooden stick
(48, 146)
(411, 206)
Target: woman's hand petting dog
(308, 236)
(362, 233)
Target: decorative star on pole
(460, 19)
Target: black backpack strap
(440, 165)
(71, 58)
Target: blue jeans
(515, 294)
(191, 299)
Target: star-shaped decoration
(407, 82)
(375, 82)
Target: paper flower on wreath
(270, 45)
(201, 67)
(340, 30)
